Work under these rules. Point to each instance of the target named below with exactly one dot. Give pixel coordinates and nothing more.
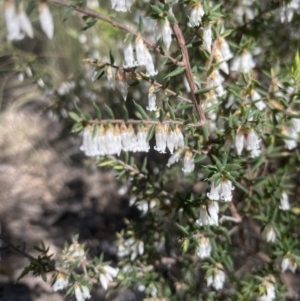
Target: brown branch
(115, 24)
(188, 70)
(135, 121)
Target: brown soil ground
(48, 193)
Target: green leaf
(24, 272)
(77, 128)
(141, 111)
(141, 25)
(172, 115)
(95, 130)
(126, 114)
(171, 19)
(182, 229)
(112, 60)
(74, 116)
(156, 9)
(150, 133)
(226, 33)
(89, 22)
(109, 112)
(67, 13)
(30, 7)
(128, 38)
(203, 91)
(99, 74)
(161, 115)
(97, 111)
(177, 71)
(144, 166)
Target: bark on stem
(188, 71)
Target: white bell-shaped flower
(259, 103)
(161, 138)
(223, 191)
(223, 47)
(174, 158)
(215, 80)
(204, 249)
(142, 143)
(164, 31)
(121, 83)
(219, 59)
(140, 50)
(217, 278)
(107, 275)
(288, 263)
(209, 215)
(188, 162)
(119, 5)
(111, 77)
(128, 56)
(270, 289)
(82, 292)
(12, 22)
(149, 64)
(243, 63)
(269, 234)
(296, 124)
(207, 37)
(25, 24)
(151, 100)
(252, 143)
(46, 20)
(284, 202)
(239, 142)
(60, 283)
(292, 136)
(196, 15)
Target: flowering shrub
(204, 138)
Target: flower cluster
(288, 263)
(167, 138)
(111, 140)
(196, 15)
(131, 247)
(18, 24)
(286, 11)
(223, 191)
(204, 248)
(209, 214)
(291, 132)
(82, 292)
(151, 99)
(268, 288)
(248, 140)
(284, 202)
(243, 63)
(163, 30)
(143, 56)
(269, 233)
(216, 277)
(107, 274)
(121, 5)
(60, 283)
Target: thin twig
(149, 122)
(137, 172)
(188, 70)
(115, 24)
(137, 75)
